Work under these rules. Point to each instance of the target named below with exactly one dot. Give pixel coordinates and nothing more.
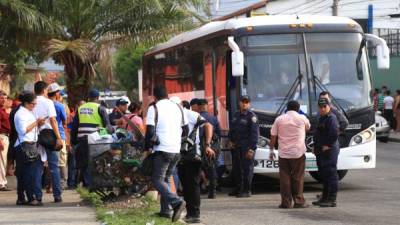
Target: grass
(140, 216)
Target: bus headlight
(364, 136)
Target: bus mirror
(237, 64)
(382, 50)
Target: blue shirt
(61, 116)
(244, 130)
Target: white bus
(274, 59)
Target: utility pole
(335, 7)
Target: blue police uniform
(211, 170)
(326, 134)
(244, 133)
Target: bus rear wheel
(317, 176)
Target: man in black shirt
(119, 110)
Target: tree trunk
(79, 77)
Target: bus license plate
(268, 164)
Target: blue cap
(94, 93)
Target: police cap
(323, 102)
(245, 98)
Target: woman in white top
(388, 103)
(28, 171)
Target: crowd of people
(182, 139)
(389, 105)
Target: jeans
(52, 158)
(163, 166)
(36, 171)
(82, 162)
(71, 169)
(29, 177)
(189, 173)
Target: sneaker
(327, 203)
(36, 203)
(58, 199)
(233, 193)
(5, 188)
(317, 202)
(191, 219)
(244, 195)
(212, 196)
(284, 207)
(301, 206)
(178, 211)
(21, 202)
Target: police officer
(326, 149)
(342, 120)
(90, 117)
(243, 137)
(211, 167)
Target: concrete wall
(390, 78)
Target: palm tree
(92, 28)
(22, 27)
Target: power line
(301, 6)
(325, 6)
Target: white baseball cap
(54, 87)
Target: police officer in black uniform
(211, 163)
(326, 149)
(243, 137)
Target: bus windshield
(276, 70)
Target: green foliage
(110, 216)
(127, 63)
(91, 197)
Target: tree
(127, 63)
(22, 28)
(91, 28)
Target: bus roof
(234, 24)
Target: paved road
(69, 212)
(365, 197)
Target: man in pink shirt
(290, 131)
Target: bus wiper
(317, 82)
(358, 59)
(292, 90)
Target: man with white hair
(189, 169)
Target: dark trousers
(189, 174)
(72, 169)
(388, 114)
(82, 162)
(211, 173)
(163, 165)
(22, 174)
(291, 174)
(327, 167)
(242, 169)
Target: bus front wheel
(316, 175)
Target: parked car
(382, 128)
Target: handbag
(48, 139)
(31, 151)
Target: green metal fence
(390, 78)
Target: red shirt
(4, 122)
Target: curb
(392, 139)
